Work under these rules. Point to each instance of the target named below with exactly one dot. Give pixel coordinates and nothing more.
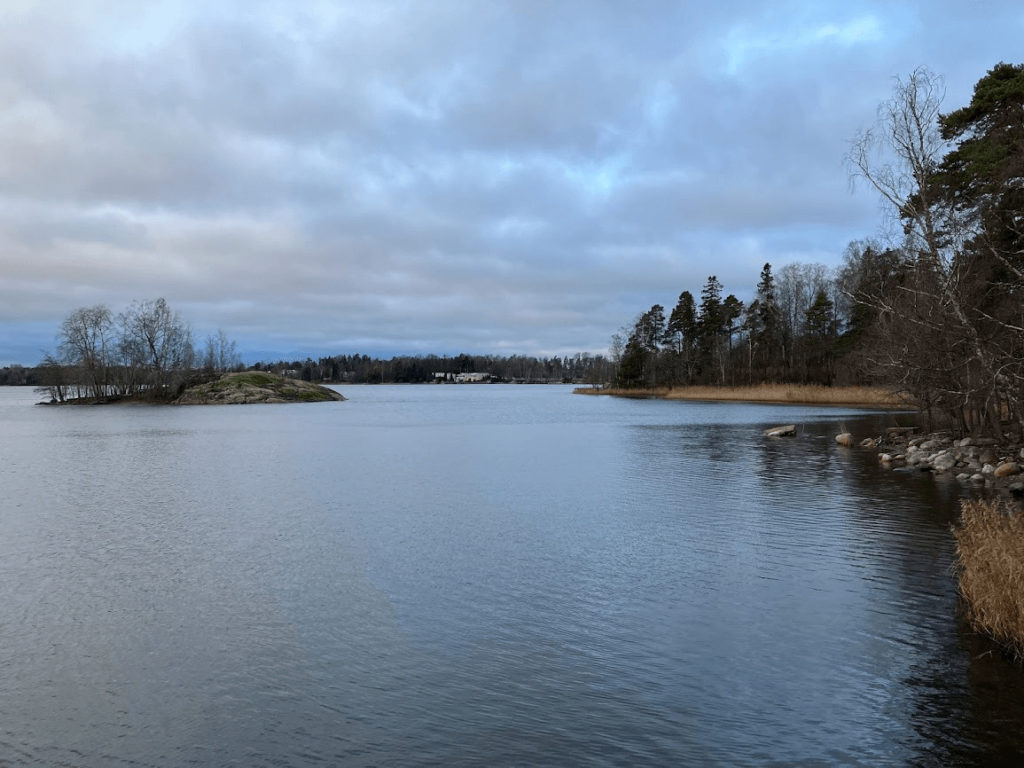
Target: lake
(480, 575)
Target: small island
(255, 387)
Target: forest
(936, 313)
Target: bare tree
(940, 338)
(158, 343)
(85, 344)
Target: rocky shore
(976, 461)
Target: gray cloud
(456, 176)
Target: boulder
(943, 462)
(868, 442)
(1006, 469)
(788, 430)
(978, 478)
(845, 439)
(988, 469)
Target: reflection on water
(480, 575)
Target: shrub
(990, 564)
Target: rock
(1021, 454)
(1016, 489)
(1006, 469)
(978, 478)
(987, 456)
(963, 477)
(985, 441)
(929, 445)
(885, 458)
(943, 462)
(255, 387)
(868, 442)
(988, 469)
(965, 442)
(845, 439)
(788, 430)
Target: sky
(522, 177)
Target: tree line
(790, 331)
(413, 369)
(938, 313)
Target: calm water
(479, 575)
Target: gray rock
(944, 462)
(787, 430)
(978, 478)
(988, 469)
(929, 445)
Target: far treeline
(581, 368)
(938, 315)
(148, 351)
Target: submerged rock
(845, 439)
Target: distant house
(471, 378)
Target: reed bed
(990, 565)
(809, 394)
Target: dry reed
(811, 394)
(990, 564)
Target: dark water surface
(479, 575)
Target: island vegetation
(146, 354)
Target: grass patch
(990, 564)
(250, 379)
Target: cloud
(525, 177)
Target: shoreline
(869, 398)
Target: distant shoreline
(768, 394)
